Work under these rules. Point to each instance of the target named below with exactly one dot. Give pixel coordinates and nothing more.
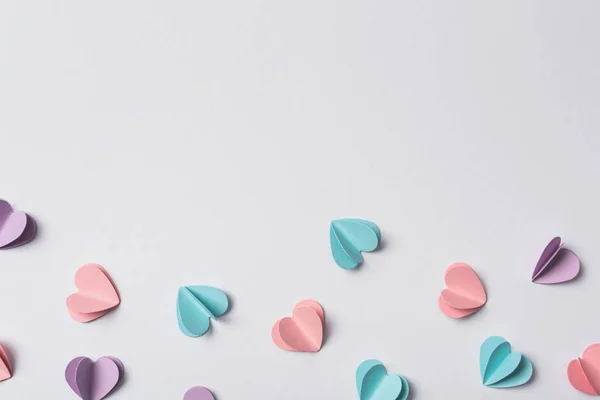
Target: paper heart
(584, 372)
(501, 368)
(374, 383)
(556, 264)
(196, 305)
(349, 237)
(302, 332)
(464, 293)
(16, 227)
(96, 294)
(94, 380)
(5, 367)
(198, 393)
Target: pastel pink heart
(464, 293)
(303, 332)
(96, 294)
(584, 372)
(5, 368)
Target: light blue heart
(374, 383)
(349, 237)
(196, 305)
(501, 368)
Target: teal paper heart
(349, 237)
(374, 383)
(501, 368)
(196, 305)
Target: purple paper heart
(198, 393)
(16, 227)
(556, 264)
(93, 380)
(71, 372)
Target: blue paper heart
(349, 237)
(501, 368)
(196, 305)
(374, 383)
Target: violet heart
(94, 380)
(556, 264)
(16, 227)
(198, 393)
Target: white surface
(196, 142)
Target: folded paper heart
(303, 332)
(196, 305)
(94, 380)
(198, 393)
(584, 372)
(5, 367)
(501, 368)
(374, 383)
(16, 227)
(464, 293)
(556, 264)
(350, 237)
(96, 294)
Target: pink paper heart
(464, 294)
(302, 332)
(584, 372)
(5, 368)
(96, 294)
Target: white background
(211, 142)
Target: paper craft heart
(302, 332)
(94, 380)
(374, 383)
(501, 368)
(464, 293)
(556, 264)
(16, 227)
(584, 372)
(349, 237)
(5, 367)
(198, 393)
(196, 305)
(96, 294)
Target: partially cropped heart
(464, 293)
(96, 294)
(374, 383)
(349, 237)
(556, 264)
(584, 372)
(94, 380)
(303, 331)
(198, 393)
(5, 367)
(500, 367)
(16, 227)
